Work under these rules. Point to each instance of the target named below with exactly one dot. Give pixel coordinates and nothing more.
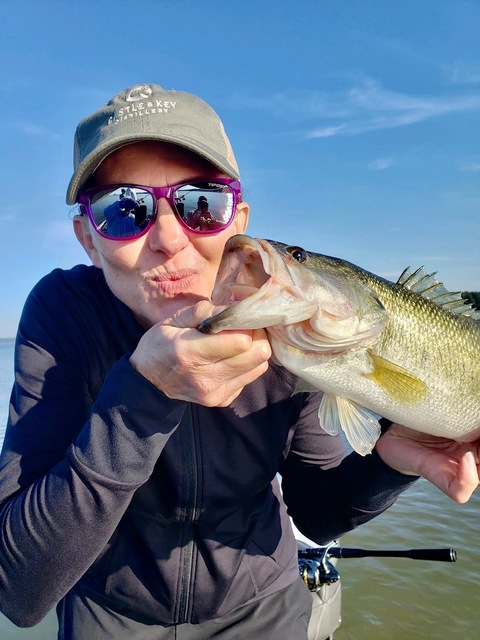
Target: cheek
(215, 249)
(211, 248)
(118, 263)
(116, 255)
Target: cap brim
(93, 160)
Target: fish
(407, 351)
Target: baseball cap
(149, 112)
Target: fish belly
(453, 415)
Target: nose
(167, 234)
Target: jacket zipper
(189, 516)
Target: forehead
(152, 158)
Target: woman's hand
(189, 365)
(451, 466)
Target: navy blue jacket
(169, 509)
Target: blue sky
(356, 124)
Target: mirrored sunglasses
(127, 211)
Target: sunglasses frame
(85, 207)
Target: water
(403, 599)
(383, 598)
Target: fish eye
(298, 254)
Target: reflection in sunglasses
(127, 211)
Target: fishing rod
(317, 570)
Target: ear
(241, 217)
(81, 226)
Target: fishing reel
(315, 567)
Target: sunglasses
(127, 211)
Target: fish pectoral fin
(328, 415)
(360, 425)
(400, 384)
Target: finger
(457, 479)
(236, 349)
(192, 316)
(467, 478)
(226, 393)
(210, 369)
(235, 370)
(248, 351)
(213, 347)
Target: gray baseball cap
(148, 112)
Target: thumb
(191, 317)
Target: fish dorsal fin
(427, 285)
(360, 425)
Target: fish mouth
(247, 264)
(256, 285)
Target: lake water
(383, 599)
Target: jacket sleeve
(69, 466)
(329, 492)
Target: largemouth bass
(408, 351)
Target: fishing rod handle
(440, 555)
(437, 555)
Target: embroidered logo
(141, 104)
(139, 92)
